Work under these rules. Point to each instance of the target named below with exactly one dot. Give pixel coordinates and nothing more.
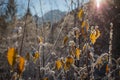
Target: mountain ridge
(52, 16)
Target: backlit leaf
(21, 65)
(58, 64)
(69, 60)
(65, 40)
(93, 38)
(40, 39)
(83, 24)
(80, 14)
(107, 68)
(36, 56)
(95, 34)
(84, 28)
(66, 67)
(11, 56)
(77, 53)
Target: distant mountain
(51, 16)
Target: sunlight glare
(98, 3)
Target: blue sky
(47, 5)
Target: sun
(98, 2)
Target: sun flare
(98, 2)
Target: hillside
(51, 16)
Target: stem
(110, 50)
(24, 29)
(43, 57)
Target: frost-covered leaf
(94, 35)
(36, 56)
(71, 43)
(84, 28)
(80, 14)
(58, 64)
(83, 24)
(40, 39)
(100, 60)
(65, 40)
(97, 33)
(77, 53)
(93, 38)
(69, 60)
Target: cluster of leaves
(18, 62)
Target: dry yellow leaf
(58, 64)
(80, 14)
(46, 78)
(40, 39)
(99, 61)
(11, 56)
(84, 28)
(21, 65)
(93, 38)
(36, 56)
(107, 69)
(66, 67)
(83, 24)
(65, 40)
(97, 33)
(69, 60)
(77, 53)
